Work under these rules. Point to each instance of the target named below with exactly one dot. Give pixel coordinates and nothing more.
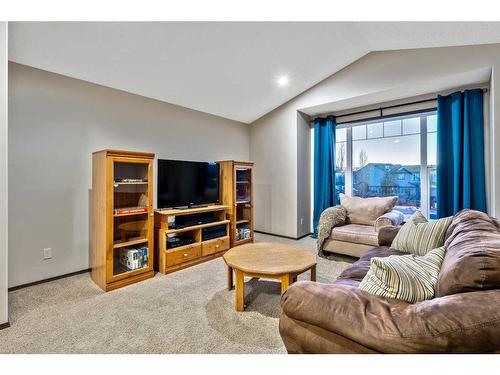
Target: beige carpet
(189, 311)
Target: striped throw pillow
(407, 277)
(418, 236)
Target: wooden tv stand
(170, 260)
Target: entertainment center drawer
(185, 254)
(214, 246)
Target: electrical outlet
(47, 253)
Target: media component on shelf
(134, 259)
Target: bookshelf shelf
(132, 242)
(194, 227)
(244, 241)
(131, 183)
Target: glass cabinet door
(130, 186)
(131, 217)
(243, 189)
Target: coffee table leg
(313, 273)
(230, 283)
(240, 291)
(285, 282)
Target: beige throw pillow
(419, 236)
(366, 210)
(410, 278)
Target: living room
(168, 190)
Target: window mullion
(348, 172)
(424, 176)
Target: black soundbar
(195, 219)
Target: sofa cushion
(472, 260)
(356, 233)
(387, 234)
(410, 278)
(351, 249)
(358, 270)
(366, 210)
(418, 236)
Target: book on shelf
(130, 210)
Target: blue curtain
(324, 167)
(460, 153)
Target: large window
(388, 157)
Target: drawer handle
(185, 254)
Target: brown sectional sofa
(463, 318)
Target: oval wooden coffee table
(267, 260)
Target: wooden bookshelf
(236, 179)
(173, 259)
(116, 233)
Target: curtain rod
(381, 109)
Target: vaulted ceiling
(228, 69)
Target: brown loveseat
(464, 317)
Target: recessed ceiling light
(283, 81)
(396, 141)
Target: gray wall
(278, 142)
(3, 173)
(56, 123)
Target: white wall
(3, 174)
(273, 149)
(56, 123)
(276, 141)
(303, 174)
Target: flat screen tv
(187, 183)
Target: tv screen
(187, 183)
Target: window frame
(424, 167)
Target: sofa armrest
(387, 234)
(466, 322)
(329, 218)
(393, 218)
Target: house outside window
(390, 156)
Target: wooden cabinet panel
(215, 245)
(184, 254)
(173, 259)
